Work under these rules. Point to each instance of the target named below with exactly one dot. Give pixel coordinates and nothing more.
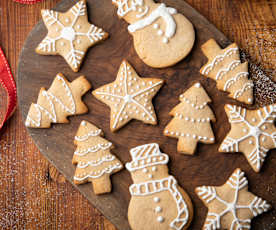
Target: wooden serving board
(206, 167)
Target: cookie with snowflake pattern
(69, 34)
(231, 206)
(129, 97)
(252, 132)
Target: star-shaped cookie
(69, 34)
(231, 206)
(129, 97)
(252, 132)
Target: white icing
(146, 153)
(93, 149)
(158, 209)
(97, 174)
(218, 59)
(222, 72)
(233, 80)
(246, 87)
(166, 184)
(237, 182)
(129, 98)
(266, 115)
(161, 11)
(90, 134)
(74, 56)
(97, 162)
(53, 101)
(160, 219)
(142, 13)
(125, 6)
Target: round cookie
(162, 37)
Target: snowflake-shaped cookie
(129, 97)
(69, 34)
(231, 206)
(252, 132)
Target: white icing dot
(253, 119)
(155, 26)
(249, 100)
(264, 127)
(197, 85)
(66, 20)
(145, 170)
(154, 169)
(263, 138)
(194, 136)
(79, 41)
(244, 130)
(160, 32)
(165, 40)
(78, 26)
(62, 44)
(160, 219)
(140, 10)
(158, 209)
(150, 176)
(250, 142)
(166, 131)
(83, 123)
(156, 199)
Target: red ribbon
(27, 1)
(7, 81)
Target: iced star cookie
(191, 122)
(61, 100)
(95, 162)
(225, 67)
(156, 195)
(162, 37)
(252, 132)
(70, 34)
(129, 97)
(231, 206)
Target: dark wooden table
(33, 195)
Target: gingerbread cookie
(94, 161)
(70, 34)
(61, 100)
(231, 206)
(252, 132)
(162, 37)
(225, 67)
(157, 201)
(191, 122)
(129, 97)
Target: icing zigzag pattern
(60, 101)
(227, 70)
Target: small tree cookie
(191, 122)
(61, 100)
(94, 161)
(231, 206)
(225, 67)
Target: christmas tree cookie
(252, 132)
(129, 97)
(191, 122)
(70, 34)
(95, 163)
(61, 100)
(157, 201)
(162, 37)
(225, 67)
(231, 206)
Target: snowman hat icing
(146, 155)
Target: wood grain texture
(30, 199)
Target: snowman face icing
(150, 173)
(128, 6)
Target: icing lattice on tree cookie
(94, 161)
(162, 36)
(129, 97)
(231, 206)
(61, 100)
(252, 132)
(191, 122)
(69, 34)
(156, 195)
(225, 67)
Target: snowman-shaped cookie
(157, 201)
(162, 37)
